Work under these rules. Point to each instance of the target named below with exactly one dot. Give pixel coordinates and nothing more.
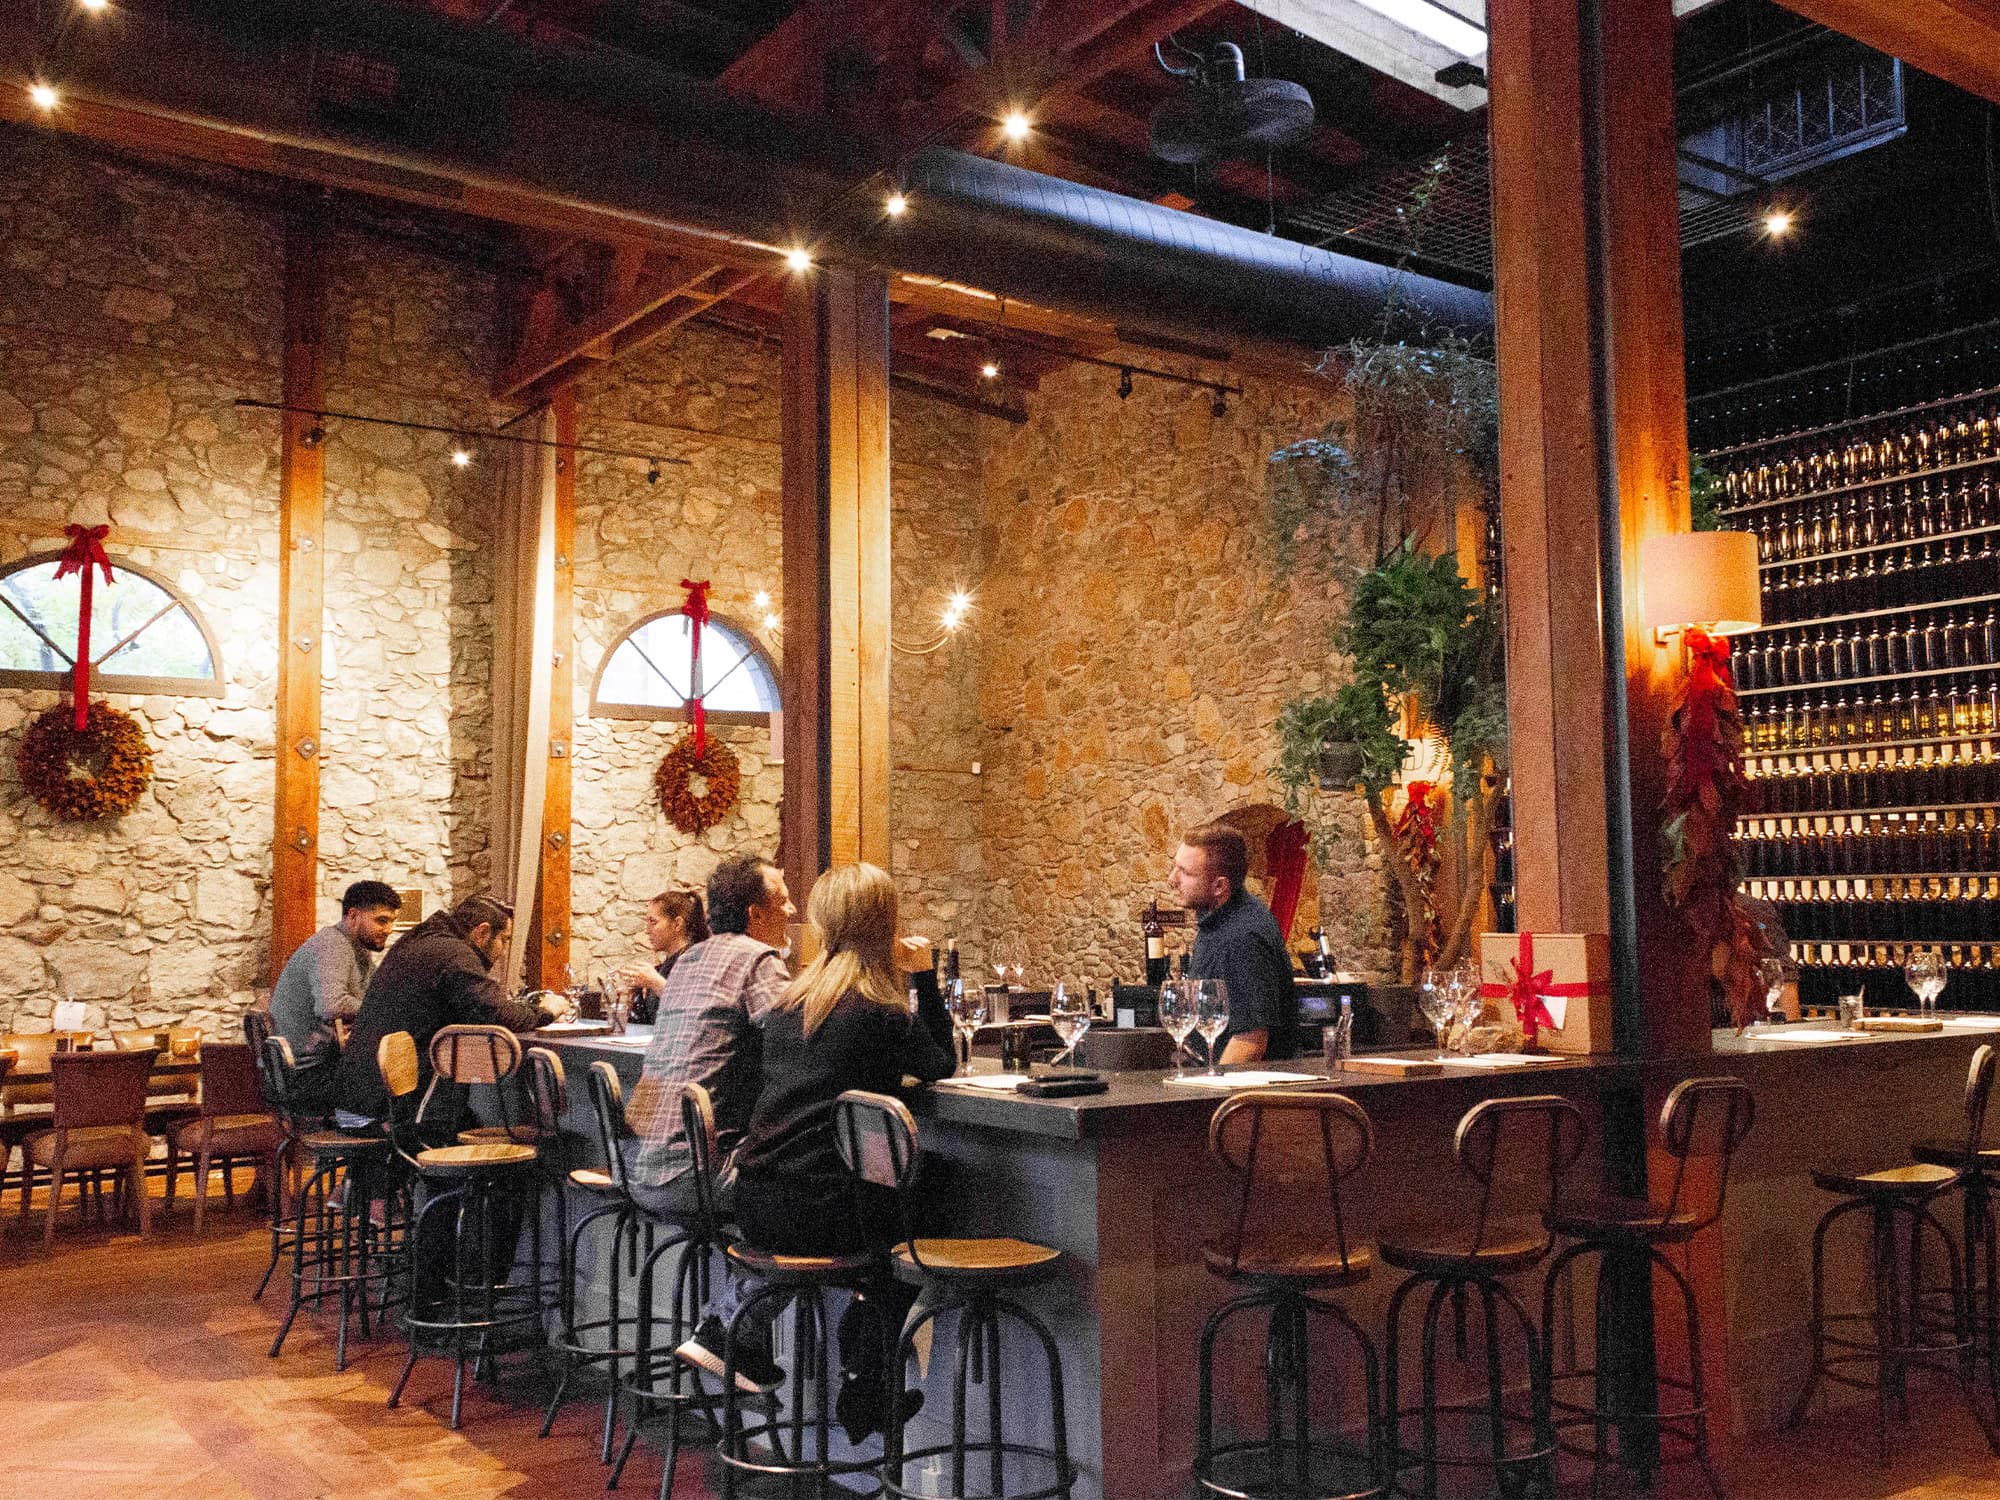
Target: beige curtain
(523, 643)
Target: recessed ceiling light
(93, 4)
(43, 96)
(1016, 125)
(461, 456)
(798, 259)
(990, 370)
(897, 205)
(1430, 18)
(1778, 223)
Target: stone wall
(712, 397)
(137, 307)
(1136, 650)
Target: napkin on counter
(1499, 1060)
(1811, 1034)
(1972, 1023)
(999, 1082)
(1249, 1079)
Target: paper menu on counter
(1249, 1079)
(1003, 1083)
(1811, 1034)
(1500, 1060)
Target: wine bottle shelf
(1806, 497)
(1875, 614)
(1800, 434)
(1772, 753)
(1818, 557)
(1834, 682)
(1868, 875)
(1897, 945)
(1851, 812)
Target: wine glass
(1069, 1014)
(1925, 972)
(1470, 1004)
(1177, 1016)
(966, 1004)
(1211, 1018)
(1771, 979)
(1435, 1001)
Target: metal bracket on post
(307, 747)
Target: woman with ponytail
(844, 1023)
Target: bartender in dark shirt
(1237, 941)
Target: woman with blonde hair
(844, 1023)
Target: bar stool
(477, 1299)
(1980, 1241)
(697, 1236)
(1900, 1338)
(877, 1139)
(1702, 1117)
(545, 1094)
(336, 1248)
(1288, 1247)
(466, 1057)
(1531, 1142)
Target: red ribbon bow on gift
(85, 551)
(1527, 988)
(696, 609)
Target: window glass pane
(167, 642)
(653, 667)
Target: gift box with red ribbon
(1557, 985)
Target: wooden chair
(24, 1100)
(170, 1097)
(232, 1125)
(98, 1121)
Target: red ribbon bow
(1527, 988)
(696, 609)
(85, 551)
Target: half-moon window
(144, 637)
(650, 673)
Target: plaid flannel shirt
(706, 1032)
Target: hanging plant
(715, 763)
(1706, 792)
(83, 774)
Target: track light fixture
(1219, 407)
(1124, 384)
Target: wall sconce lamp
(1705, 579)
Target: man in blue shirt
(1237, 941)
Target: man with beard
(1237, 941)
(436, 975)
(324, 979)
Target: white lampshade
(1705, 578)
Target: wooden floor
(138, 1369)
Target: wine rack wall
(1871, 696)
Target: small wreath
(100, 771)
(716, 764)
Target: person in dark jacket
(437, 974)
(844, 1023)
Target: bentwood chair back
(1978, 1099)
(256, 1029)
(1289, 1152)
(876, 1136)
(1703, 1119)
(98, 1121)
(469, 1055)
(704, 1150)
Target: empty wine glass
(1069, 1014)
(966, 1004)
(1925, 973)
(1435, 1001)
(1177, 1016)
(1470, 1004)
(1211, 1018)
(1771, 979)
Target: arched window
(649, 673)
(144, 637)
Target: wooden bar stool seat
(1438, 1249)
(1287, 1245)
(795, 1270)
(1637, 1220)
(969, 1277)
(1898, 1332)
(471, 1161)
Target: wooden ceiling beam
(1957, 40)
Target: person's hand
(913, 954)
(642, 975)
(559, 1006)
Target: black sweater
(430, 979)
(860, 1045)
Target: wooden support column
(548, 961)
(301, 596)
(836, 571)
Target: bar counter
(1124, 1184)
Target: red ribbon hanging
(85, 551)
(696, 609)
(1527, 988)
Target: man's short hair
(473, 910)
(737, 884)
(1224, 849)
(367, 895)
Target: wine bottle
(1156, 946)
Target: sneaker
(756, 1371)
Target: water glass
(1177, 1016)
(1434, 1000)
(1851, 1010)
(1925, 974)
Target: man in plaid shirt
(707, 1032)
